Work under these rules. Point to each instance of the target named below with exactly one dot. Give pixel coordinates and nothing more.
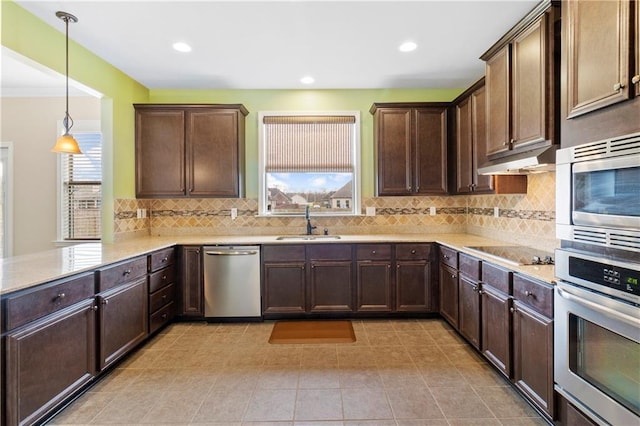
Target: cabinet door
(430, 173)
(530, 85)
(498, 76)
(192, 302)
(123, 320)
(160, 151)
(449, 294)
(373, 286)
(533, 356)
(394, 138)
(213, 148)
(464, 147)
(413, 280)
(283, 287)
(330, 286)
(48, 360)
(479, 134)
(597, 51)
(496, 328)
(469, 310)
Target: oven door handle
(599, 308)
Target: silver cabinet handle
(61, 296)
(512, 310)
(373, 252)
(164, 259)
(413, 251)
(93, 308)
(231, 253)
(618, 86)
(105, 301)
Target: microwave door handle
(599, 308)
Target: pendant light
(67, 144)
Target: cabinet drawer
(161, 317)
(162, 259)
(35, 303)
(161, 297)
(373, 251)
(329, 251)
(161, 278)
(449, 257)
(537, 295)
(283, 253)
(469, 266)
(121, 273)
(413, 251)
(497, 277)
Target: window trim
(357, 172)
(79, 126)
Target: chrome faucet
(310, 227)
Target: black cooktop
(517, 255)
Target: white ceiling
(272, 44)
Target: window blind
(82, 189)
(307, 143)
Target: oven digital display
(616, 277)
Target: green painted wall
(305, 100)
(29, 36)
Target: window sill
(67, 243)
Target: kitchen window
(309, 160)
(81, 190)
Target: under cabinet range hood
(535, 161)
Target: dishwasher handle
(231, 252)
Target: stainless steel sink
(308, 237)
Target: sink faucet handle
(326, 231)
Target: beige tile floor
(399, 372)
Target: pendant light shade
(66, 144)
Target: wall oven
(597, 336)
(598, 193)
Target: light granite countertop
(21, 272)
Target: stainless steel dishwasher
(232, 282)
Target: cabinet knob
(61, 296)
(413, 251)
(105, 301)
(373, 252)
(164, 297)
(445, 257)
(93, 308)
(127, 272)
(164, 259)
(388, 266)
(618, 86)
(164, 278)
(529, 294)
(454, 276)
(636, 79)
(475, 288)
(164, 316)
(512, 310)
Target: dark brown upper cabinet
(189, 150)
(522, 81)
(469, 137)
(410, 142)
(600, 70)
(597, 54)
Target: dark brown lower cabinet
(283, 288)
(373, 286)
(123, 320)
(330, 286)
(469, 310)
(413, 285)
(496, 328)
(533, 356)
(47, 360)
(449, 294)
(192, 294)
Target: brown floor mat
(312, 332)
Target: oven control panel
(616, 277)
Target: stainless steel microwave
(598, 193)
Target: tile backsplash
(525, 219)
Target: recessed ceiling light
(182, 47)
(307, 80)
(407, 46)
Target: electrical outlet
(139, 213)
(432, 211)
(371, 211)
(234, 213)
(496, 212)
